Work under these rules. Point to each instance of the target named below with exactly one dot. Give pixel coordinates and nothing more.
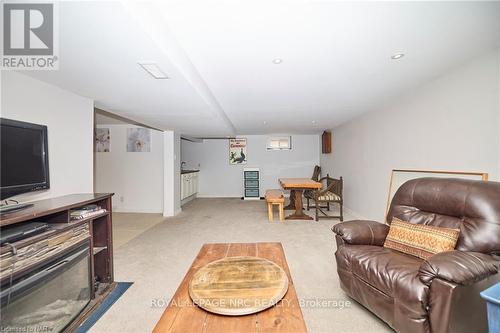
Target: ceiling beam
(149, 17)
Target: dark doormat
(113, 296)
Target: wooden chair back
(316, 173)
(332, 185)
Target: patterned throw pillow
(420, 240)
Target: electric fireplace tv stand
(93, 234)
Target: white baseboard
(188, 199)
(176, 212)
(211, 196)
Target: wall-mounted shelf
(326, 142)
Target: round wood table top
(237, 286)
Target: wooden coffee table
(236, 286)
(182, 315)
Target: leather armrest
(362, 232)
(459, 267)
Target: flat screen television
(24, 158)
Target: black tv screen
(24, 157)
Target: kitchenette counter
(189, 184)
(188, 171)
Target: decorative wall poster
(238, 151)
(101, 140)
(138, 140)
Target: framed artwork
(138, 140)
(102, 138)
(238, 151)
(400, 176)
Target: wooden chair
(275, 198)
(309, 194)
(331, 192)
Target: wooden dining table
(297, 187)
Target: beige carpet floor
(128, 226)
(156, 254)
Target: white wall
(171, 172)
(451, 123)
(220, 179)
(135, 178)
(498, 95)
(177, 173)
(70, 122)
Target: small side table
(492, 297)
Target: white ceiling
(336, 58)
(100, 46)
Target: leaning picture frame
(400, 176)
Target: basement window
(279, 143)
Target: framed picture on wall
(138, 140)
(102, 139)
(238, 151)
(400, 176)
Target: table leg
(299, 213)
(291, 205)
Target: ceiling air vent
(153, 70)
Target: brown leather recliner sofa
(440, 294)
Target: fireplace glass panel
(50, 298)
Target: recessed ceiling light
(153, 70)
(277, 61)
(397, 56)
(265, 122)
